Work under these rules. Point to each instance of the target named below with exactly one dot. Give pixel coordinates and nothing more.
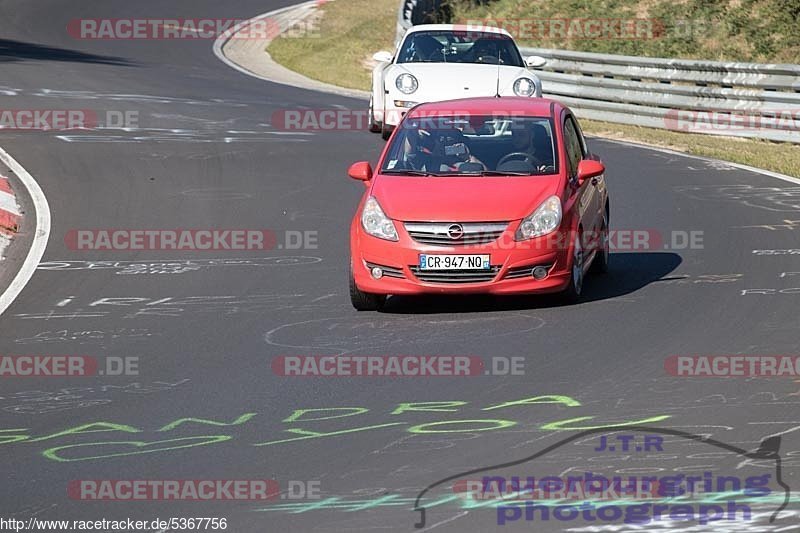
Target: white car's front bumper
(442, 81)
(393, 114)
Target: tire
(364, 301)
(386, 132)
(600, 263)
(374, 127)
(572, 294)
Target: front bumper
(512, 263)
(392, 114)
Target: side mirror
(535, 61)
(361, 171)
(589, 168)
(382, 57)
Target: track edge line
(41, 231)
(756, 170)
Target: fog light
(539, 272)
(377, 272)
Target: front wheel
(574, 289)
(600, 263)
(386, 131)
(374, 126)
(364, 301)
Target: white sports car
(435, 62)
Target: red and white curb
(9, 214)
(41, 228)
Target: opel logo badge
(455, 231)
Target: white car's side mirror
(382, 56)
(534, 61)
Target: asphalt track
(205, 156)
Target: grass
(777, 157)
(350, 31)
(763, 31)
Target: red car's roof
(507, 105)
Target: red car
(483, 195)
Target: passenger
(427, 48)
(452, 151)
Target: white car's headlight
(406, 83)
(524, 87)
(375, 222)
(544, 220)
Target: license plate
(454, 262)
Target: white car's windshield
(452, 46)
(465, 145)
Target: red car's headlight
(544, 220)
(375, 222)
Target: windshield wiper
(500, 173)
(408, 172)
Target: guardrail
(733, 99)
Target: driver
(531, 139)
(521, 138)
(486, 50)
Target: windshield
(448, 46)
(482, 145)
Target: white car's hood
(444, 81)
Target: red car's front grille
(455, 276)
(468, 233)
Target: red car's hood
(461, 199)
